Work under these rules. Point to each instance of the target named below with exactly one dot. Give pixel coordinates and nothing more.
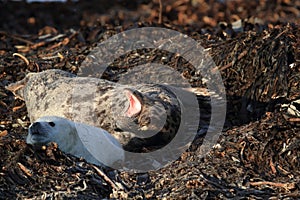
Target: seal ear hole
(51, 124)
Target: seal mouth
(35, 139)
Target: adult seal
(139, 116)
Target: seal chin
(36, 139)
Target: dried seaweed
(258, 57)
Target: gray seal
(138, 116)
(99, 146)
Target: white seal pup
(93, 144)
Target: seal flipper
(17, 88)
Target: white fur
(95, 145)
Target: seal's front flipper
(17, 88)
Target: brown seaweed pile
(256, 48)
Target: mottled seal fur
(133, 114)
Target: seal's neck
(70, 144)
(74, 146)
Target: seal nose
(35, 127)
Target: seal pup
(93, 144)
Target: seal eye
(51, 124)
